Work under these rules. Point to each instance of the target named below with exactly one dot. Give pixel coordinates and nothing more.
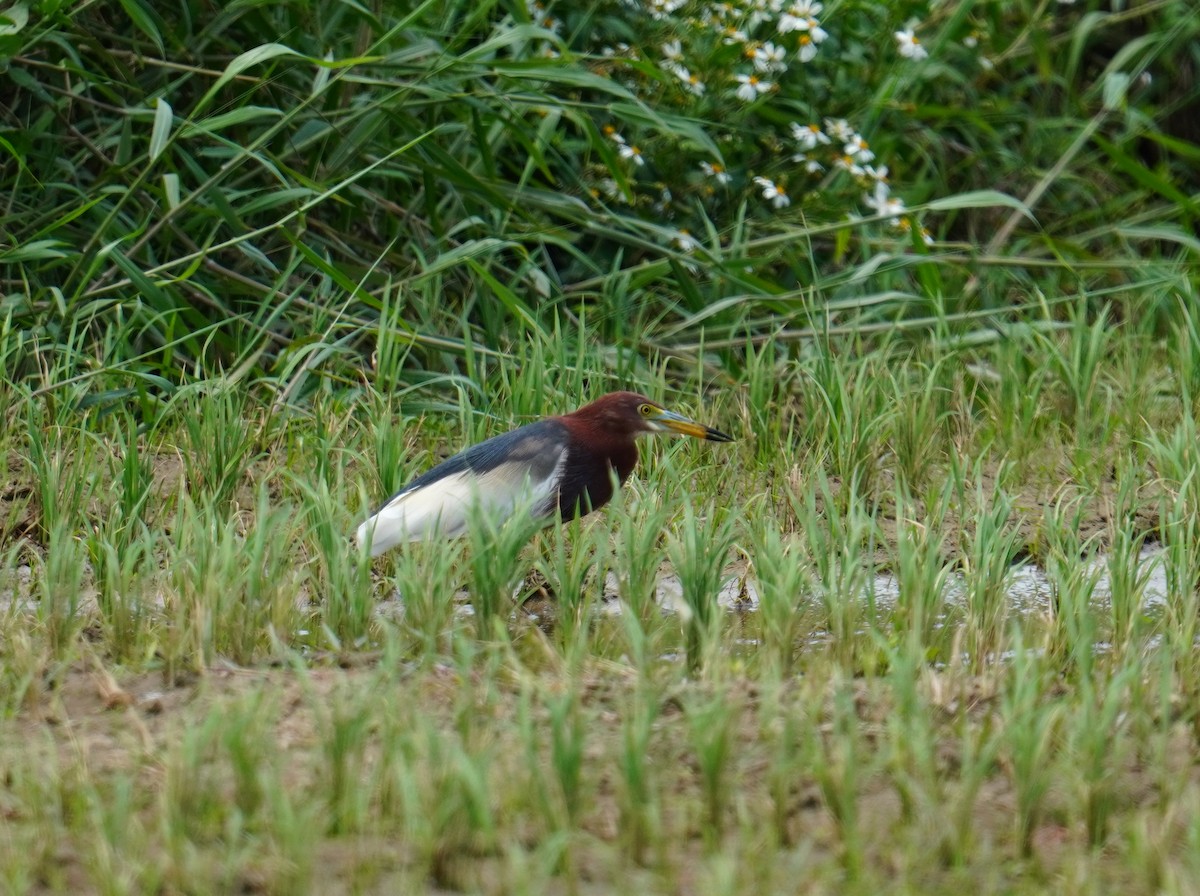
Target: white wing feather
(443, 508)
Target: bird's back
(522, 467)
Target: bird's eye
(645, 410)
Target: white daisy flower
(809, 136)
(773, 192)
(839, 129)
(811, 166)
(910, 47)
(629, 151)
(857, 147)
(847, 164)
(750, 87)
(716, 171)
(685, 242)
(769, 58)
(691, 83)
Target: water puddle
(1029, 588)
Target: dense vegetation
(252, 187)
(928, 626)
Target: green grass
(207, 688)
(260, 267)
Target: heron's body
(567, 465)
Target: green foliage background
(254, 187)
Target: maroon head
(629, 414)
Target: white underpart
(445, 507)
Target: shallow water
(1029, 588)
